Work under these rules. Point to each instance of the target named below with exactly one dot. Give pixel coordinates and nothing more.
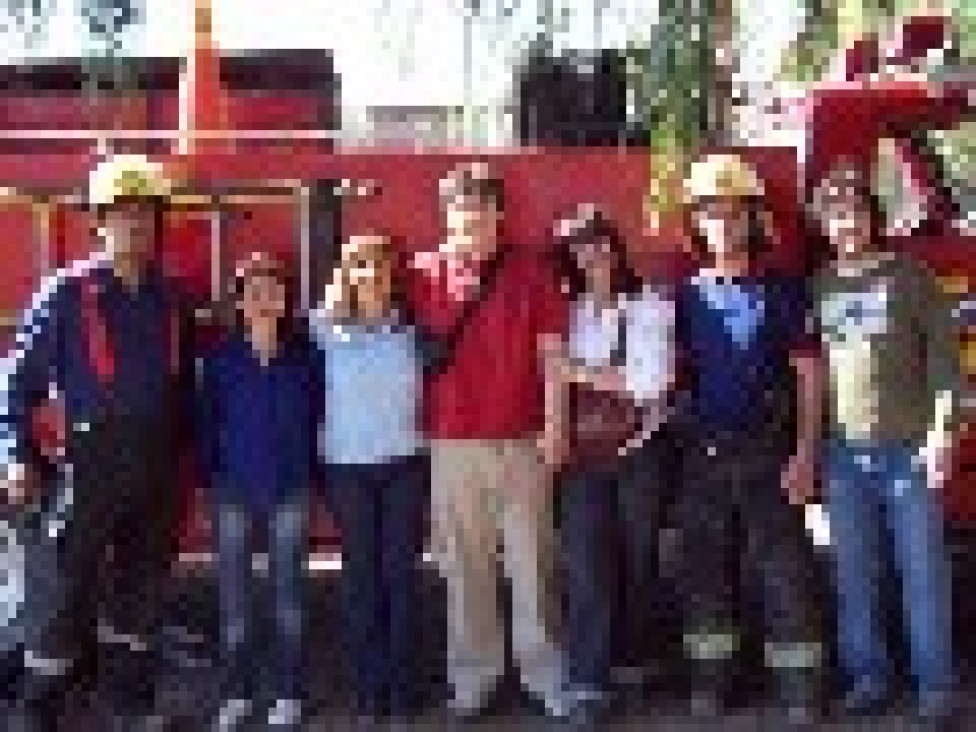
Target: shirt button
(711, 451)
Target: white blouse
(649, 357)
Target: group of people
(501, 391)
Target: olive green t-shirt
(888, 336)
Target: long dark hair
(819, 250)
(596, 226)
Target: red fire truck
(277, 181)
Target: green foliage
(671, 75)
(964, 14)
(672, 79)
(811, 54)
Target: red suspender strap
(101, 352)
(49, 428)
(101, 355)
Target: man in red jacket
(488, 306)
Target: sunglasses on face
(720, 209)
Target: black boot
(129, 681)
(799, 696)
(12, 674)
(709, 686)
(44, 702)
(796, 667)
(711, 656)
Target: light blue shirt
(373, 387)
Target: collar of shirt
(592, 307)
(717, 288)
(740, 302)
(462, 275)
(322, 321)
(245, 349)
(864, 266)
(147, 284)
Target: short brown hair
(260, 264)
(472, 180)
(257, 264)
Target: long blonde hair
(340, 299)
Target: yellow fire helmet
(126, 178)
(721, 175)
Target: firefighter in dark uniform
(101, 342)
(750, 419)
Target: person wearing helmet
(749, 427)
(101, 343)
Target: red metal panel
(18, 275)
(276, 110)
(267, 227)
(848, 120)
(73, 235)
(185, 251)
(68, 112)
(63, 167)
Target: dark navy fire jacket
(53, 354)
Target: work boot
(797, 670)
(44, 700)
(711, 664)
(129, 680)
(12, 674)
(799, 696)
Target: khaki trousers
(490, 496)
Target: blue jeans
(286, 528)
(612, 513)
(380, 508)
(589, 510)
(871, 490)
